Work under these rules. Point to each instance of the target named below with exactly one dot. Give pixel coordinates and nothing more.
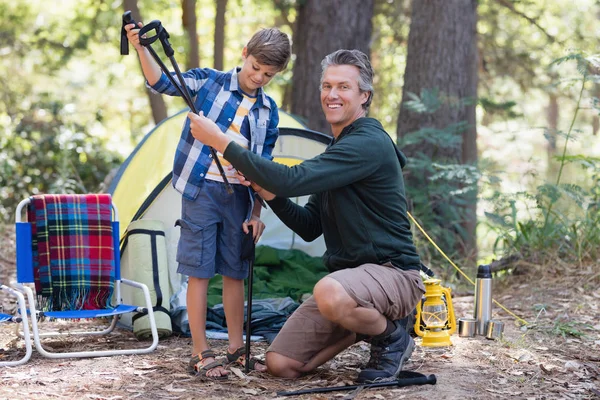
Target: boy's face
(254, 75)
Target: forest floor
(556, 356)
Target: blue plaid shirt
(217, 95)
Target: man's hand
(257, 227)
(207, 132)
(265, 194)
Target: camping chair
(21, 318)
(69, 249)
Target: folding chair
(20, 318)
(69, 249)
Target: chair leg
(37, 336)
(25, 324)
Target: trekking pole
(249, 302)
(410, 378)
(163, 36)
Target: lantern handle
(451, 318)
(418, 330)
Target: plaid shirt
(217, 95)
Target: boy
(213, 223)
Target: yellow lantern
(437, 314)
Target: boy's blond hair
(271, 47)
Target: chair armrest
(138, 285)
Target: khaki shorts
(391, 291)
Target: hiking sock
(360, 337)
(391, 327)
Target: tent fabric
(277, 273)
(144, 258)
(152, 158)
(142, 190)
(281, 278)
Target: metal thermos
(483, 298)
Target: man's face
(254, 75)
(341, 98)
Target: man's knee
(282, 366)
(333, 301)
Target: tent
(142, 190)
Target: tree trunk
(219, 42)
(442, 55)
(323, 27)
(283, 18)
(157, 104)
(189, 21)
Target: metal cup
(494, 329)
(467, 327)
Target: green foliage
(569, 328)
(428, 102)
(46, 136)
(558, 219)
(505, 109)
(441, 201)
(46, 154)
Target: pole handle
(146, 39)
(126, 20)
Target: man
(358, 204)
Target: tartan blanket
(73, 257)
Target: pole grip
(126, 20)
(145, 39)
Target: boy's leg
(196, 307)
(233, 304)
(196, 300)
(234, 270)
(196, 258)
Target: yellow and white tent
(142, 190)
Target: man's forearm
(304, 220)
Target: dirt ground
(556, 356)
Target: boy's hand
(207, 132)
(133, 35)
(257, 227)
(265, 194)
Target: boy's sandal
(196, 367)
(239, 357)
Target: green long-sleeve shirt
(357, 197)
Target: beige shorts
(391, 291)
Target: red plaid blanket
(73, 257)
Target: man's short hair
(271, 47)
(358, 59)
